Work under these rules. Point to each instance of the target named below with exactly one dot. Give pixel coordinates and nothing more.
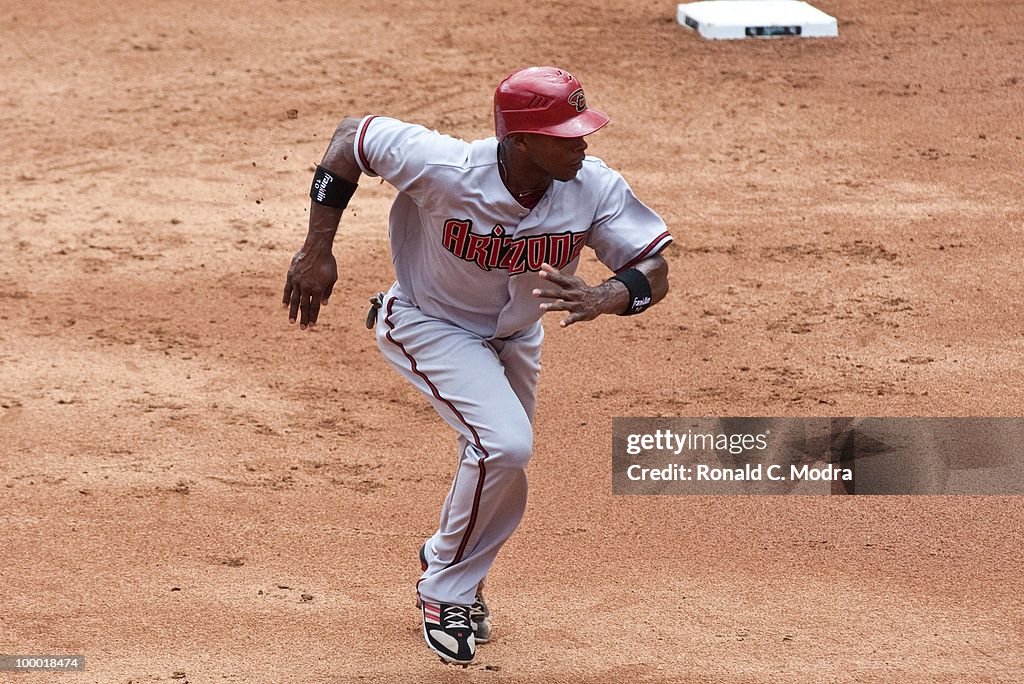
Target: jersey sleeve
(402, 153)
(625, 230)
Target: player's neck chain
(518, 195)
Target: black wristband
(639, 290)
(331, 190)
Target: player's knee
(515, 449)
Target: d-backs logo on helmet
(578, 100)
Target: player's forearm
(654, 268)
(323, 225)
(340, 161)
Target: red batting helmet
(543, 100)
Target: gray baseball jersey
(461, 324)
(467, 252)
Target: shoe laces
(455, 617)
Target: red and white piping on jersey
(363, 160)
(476, 437)
(659, 243)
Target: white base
(732, 19)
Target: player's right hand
(309, 284)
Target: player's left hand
(311, 278)
(585, 303)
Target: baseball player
(485, 238)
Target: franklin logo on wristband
(320, 187)
(639, 290)
(639, 304)
(329, 190)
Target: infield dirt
(192, 490)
